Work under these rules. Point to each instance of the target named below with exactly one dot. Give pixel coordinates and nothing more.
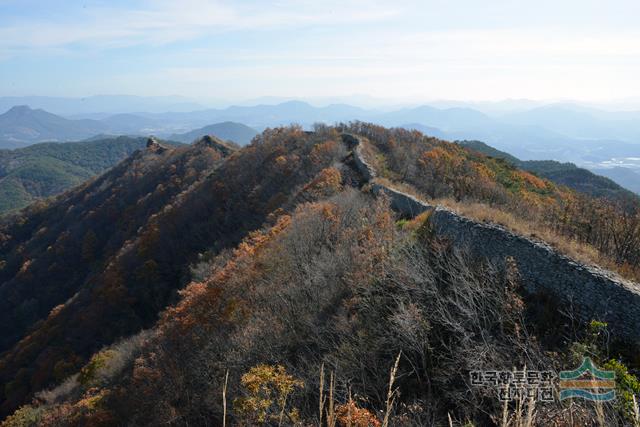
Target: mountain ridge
(231, 131)
(124, 274)
(286, 261)
(47, 169)
(23, 124)
(547, 132)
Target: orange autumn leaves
(454, 163)
(219, 301)
(197, 308)
(328, 182)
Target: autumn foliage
(443, 170)
(350, 415)
(252, 272)
(110, 255)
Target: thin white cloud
(164, 21)
(336, 46)
(461, 64)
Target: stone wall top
(593, 292)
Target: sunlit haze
(406, 51)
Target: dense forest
(43, 170)
(265, 285)
(566, 174)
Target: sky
(584, 50)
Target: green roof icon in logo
(588, 382)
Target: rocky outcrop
(353, 142)
(588, 292)
(217, 144)
(407, 205)
(154, 146)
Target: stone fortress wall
(591, 292)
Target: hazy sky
(429, 49)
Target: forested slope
(567, 174)
(43, 170)
(300, 292)
(101, 261)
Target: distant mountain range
(229, 131)
(595, 139)
(105, 104)
(22, 125)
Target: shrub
(268, 390)
(93, 370)
(350, 415)
(26, 416)
(627, 386)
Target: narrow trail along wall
(589, 292)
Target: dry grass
(582, 252)
(520, 417)
(391, 393)
(224, 399)
(321, 388)
(331, 413)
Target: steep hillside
(65, 254)
(305, 299)
(567, 174)
(331, 308)
(110, 255)
(228, 131)
(43, 170)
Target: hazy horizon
(356, 100)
